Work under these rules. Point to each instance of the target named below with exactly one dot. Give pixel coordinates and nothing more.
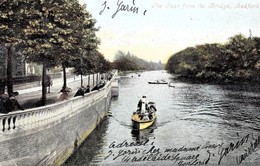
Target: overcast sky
(164, 27)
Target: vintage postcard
(130, 82)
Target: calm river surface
(197, 124)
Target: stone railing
(14, 122)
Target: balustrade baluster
(1, 123)
(41, 117)
(30, 119)
(34, 118)
(38, 117)
(20, 121)
(48, 116)
(13, 121)
(52, 114)
(26, 120)
(4, 121)
(9, 122)
(44, 116)
(55, 112)
(36, 122)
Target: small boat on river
(158, 82)
(145, 115)
(171, 84)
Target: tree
(3, 51)
(51, 34)
(86, 63)
(236, 60)
(129, 61)
(10, 22)
(239, 49)
(102, 64)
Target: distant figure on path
(3, 99)
(64, 94)
(48, 83)
(102, 83)
(87, 90)
(10, 103)
(109, 76)
(80, 92)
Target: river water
(197, 124)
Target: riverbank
(48, 135)
(213, 79)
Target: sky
(156, 29)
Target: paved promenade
(30, 93)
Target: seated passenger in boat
(142, 108)
(151, 106)
(139, 105)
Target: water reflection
(90, 147)
(145, 134)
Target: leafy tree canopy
(127, 61)
(238, 59)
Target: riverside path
(31, 93)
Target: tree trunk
(44, 87)
(94, 80)
(89, 80)
(2, 86)
(97, 79)
(81, 80)
(9, 71)
(64, 76)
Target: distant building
(30, 68)
(20, 68)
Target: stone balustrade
(48, 135)
(40, 116)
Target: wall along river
(197, 124)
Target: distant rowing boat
(171, 84)
(157, 82)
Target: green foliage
(49, 32)
(186, 61)
(127, 62)
(238, 59)
(90, 60)
(10, 21)
(91, 63)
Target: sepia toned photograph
(129, 82)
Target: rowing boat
(139, 123)
(157, 82)
(145, 115)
